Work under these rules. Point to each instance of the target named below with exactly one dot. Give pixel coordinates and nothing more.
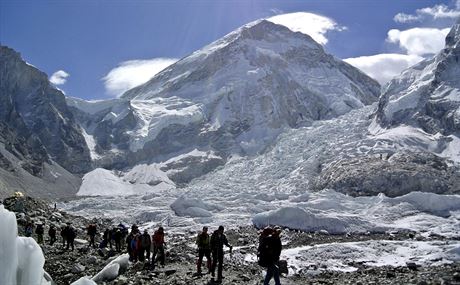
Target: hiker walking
(29, 229)
(71, 234)
(63, 234)
(129, 238)
(218, 240)
(117, 236)
(204, 249)
(132, 240)
(52, 234)
(158, 241)
(145, 244)
(269, 252)
(92, 231)
(40, 231)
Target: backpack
(71, 234)
(265, 252)
(39, 230)
(145, 241)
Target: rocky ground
(68, 266)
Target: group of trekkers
(140, 246)
(68, 234)
(212, 246)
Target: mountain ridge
(233, 96)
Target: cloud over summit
(316, 26)
(132, 73)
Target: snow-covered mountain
(426, 95)
(416, 127)
(345, 174)
(234, 96)
(40, 142)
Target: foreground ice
(113, 269)
(21, 258)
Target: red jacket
(158, 238)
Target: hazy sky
(98, 49)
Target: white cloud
(132, 73)
(383, 67)
(419, 41)
(315, 26)
(436, 12)
(59, 77)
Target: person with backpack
(117, 236)
(204, 249)
(40, 231)
(63, 234)
(129, 238)
(52, 234)
(269, 252)
(92, 231)
(158, 241)
(145, 244)
(218, 240)
(29, 229)
(71, 234)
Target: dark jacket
(145, 241)
(218, 241)
(269, 250)
(92, 230)
(52, 232)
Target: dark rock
(391, 274)
(411, 265)
(170, 272)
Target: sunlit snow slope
(234, 96)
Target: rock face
(397, 175)
(38, 124)
(232, 96)
(426, 95)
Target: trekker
(52, 234)
(204, 249)
(40, 231)
(129, 238)
(117, 236)
(106, 236)
(29, 229)
(269, 252)
(158, 241)
(218, 240)
(71, 234)
(92, 231)
(145, 244)
(63, 234)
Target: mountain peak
(453, 38)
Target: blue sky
(104, 47)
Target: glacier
(259, 189)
